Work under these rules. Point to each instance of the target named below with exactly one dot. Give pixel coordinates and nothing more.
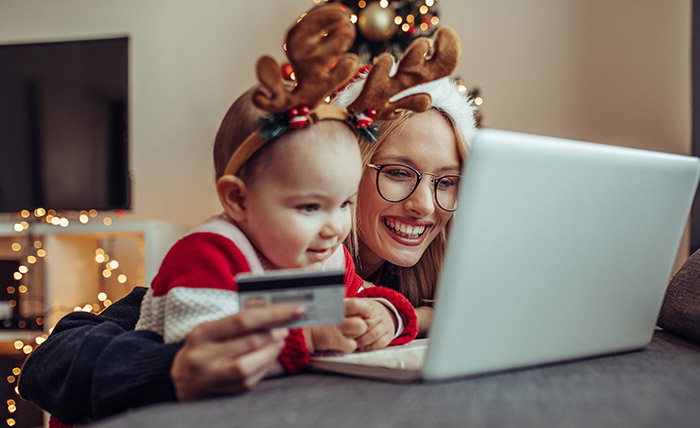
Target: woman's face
(400, 232)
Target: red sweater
(196, 283)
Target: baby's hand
(381, 323)
(339, 337)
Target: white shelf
(69, 275)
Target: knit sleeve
(295, 355)
(195, 284)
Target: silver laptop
(560, 250)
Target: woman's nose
(422, 201)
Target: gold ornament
(376, 23)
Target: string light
(32, 251)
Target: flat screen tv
(64, 125)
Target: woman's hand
(231, 355)
(425, 318)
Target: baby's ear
(232, 195)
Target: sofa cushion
(680, 312)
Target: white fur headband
(444, 94)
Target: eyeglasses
(396, 182)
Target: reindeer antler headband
(317, 50)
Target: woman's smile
(406, 232)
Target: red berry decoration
(297, 117)
(287, 71)
(366, 118)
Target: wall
(614, 72)
(189, 60)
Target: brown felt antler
(413, 69)
(316, 48)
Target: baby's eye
(347, 204)
(309, 208)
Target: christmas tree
(391, 26)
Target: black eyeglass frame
(436, 180)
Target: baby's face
(300, 203)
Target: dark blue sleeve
(93, 366)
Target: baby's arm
(395, 301)
(381, 321)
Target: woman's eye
(447, 183)
(397, 173)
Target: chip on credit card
(320, 292)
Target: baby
(287, 182)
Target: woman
(407, 194)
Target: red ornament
(287, 71)
(366, 118)
(411, 30)
(298, 117)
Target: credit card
(320, 292)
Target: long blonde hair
(418, 282)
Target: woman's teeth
(403, 229)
